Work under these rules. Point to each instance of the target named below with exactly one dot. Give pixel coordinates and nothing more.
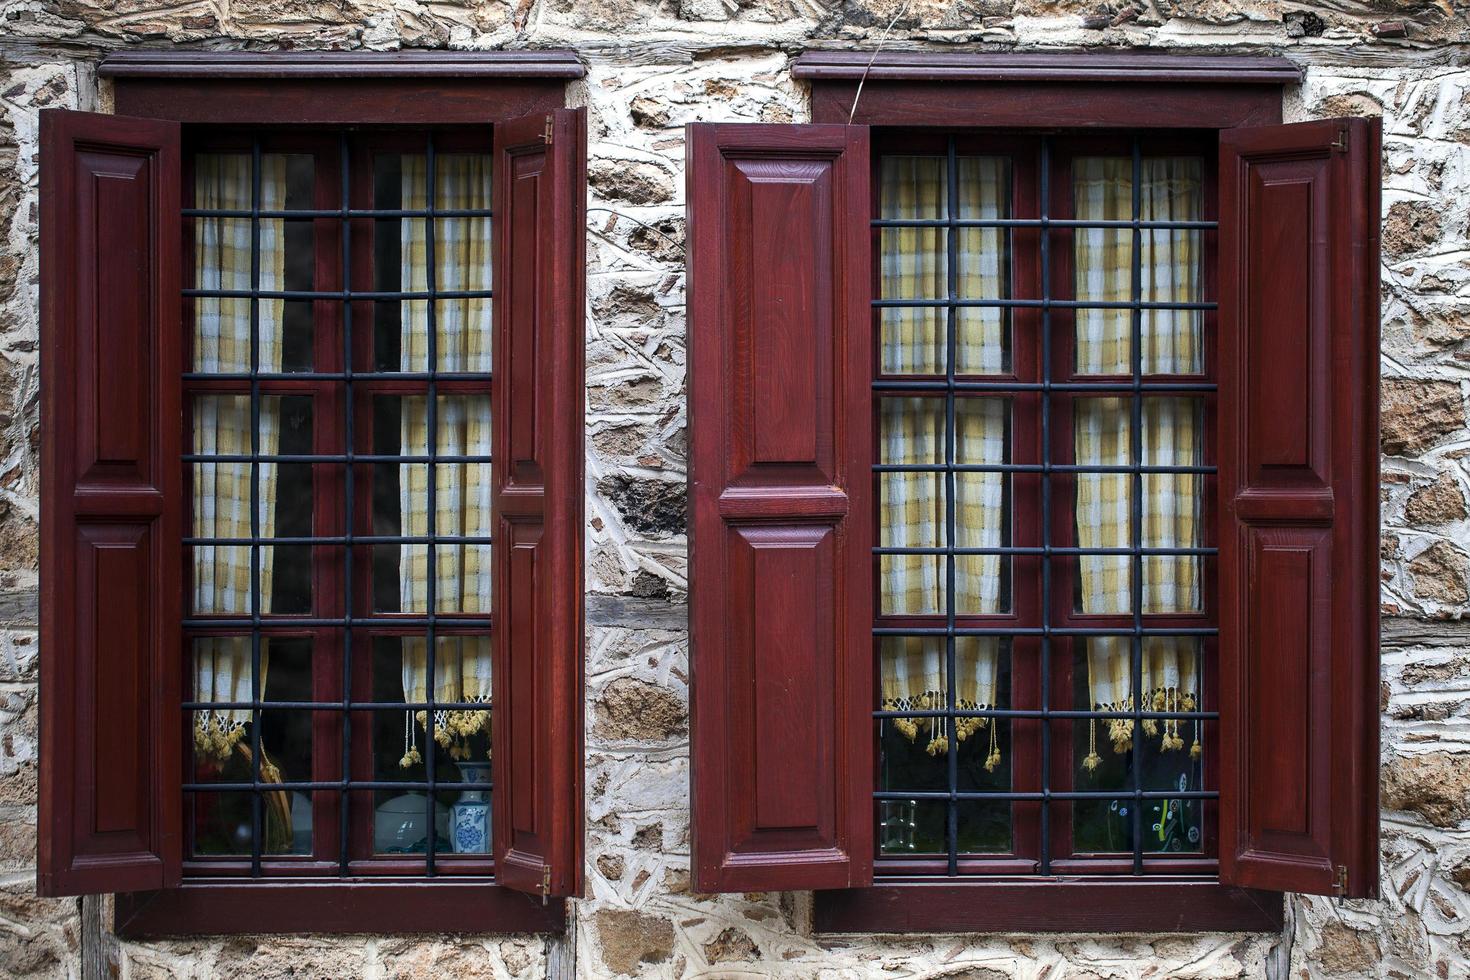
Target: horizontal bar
(1046, 795)
(340, 539)
(336, 785)
(338, 705)
(1049, 550)
(340, 213)
(1045, 631)
(1127, 223)
(337, 294)
(1049, 713)
(328, 458)
(1034, 468)
(483, 376)
(1034, 304)
(1121, 387)
(285, 623)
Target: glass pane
(236, 254)
(1171, 750)
(461, 506)
(460, 740)
(1172, 434)
(983, 267)
(461, 257)
(1171, 505)
(221, 494)
(224, 744)
(914, 505)
(914, 264)
(1102, 432)
(913, 751)
(1169, 264)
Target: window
(1071, 567)
(280, 615)
(336, 591)
(1032, 464)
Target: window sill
(199, 908)
(1049, 905)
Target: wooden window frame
(419, 90)
(1031, 93)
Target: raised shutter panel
(540, 232)
(1299, 682)
(111, 678)
(780, 537)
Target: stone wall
(652, 67)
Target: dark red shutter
(540, 233)
(111, 510)
(780, 536)
(1299, 481)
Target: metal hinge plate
(550, 123)
(1340, 145)
(546, 868)
(1340, 883)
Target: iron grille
(1134, 388)
(260, 625)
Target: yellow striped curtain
(462, 573)
(1169, 262)
(913, 505)
(221, 424)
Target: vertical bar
(256, 599)
(952, 181)
(430, 230)
(1135, 454)
(345, 827)
(1046, 558)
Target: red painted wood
(779, 342)
(1047, 104)
(334, 907)
(540, 192)
(1139, 68)
(1075, 905)
(110, 724)
(1299, 485)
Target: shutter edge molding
(111, 726)
(780, 536)
(1299, 325)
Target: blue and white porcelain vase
(469, 817)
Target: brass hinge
(1340, 883)
(550, 122)
(1340, 145)
(546, 868)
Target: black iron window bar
(258, 625)
(1134, 387)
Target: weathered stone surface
(629, 939)
(633, 183)
(1418, 414)
(1412, 227)
(652, 507)
(635, 710)
(1435, 785)
(731, 946)
(1347, 951)
(1439, 503)
(38, 936)
(1440, 573)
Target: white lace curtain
(222, 423)
(462, 330)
